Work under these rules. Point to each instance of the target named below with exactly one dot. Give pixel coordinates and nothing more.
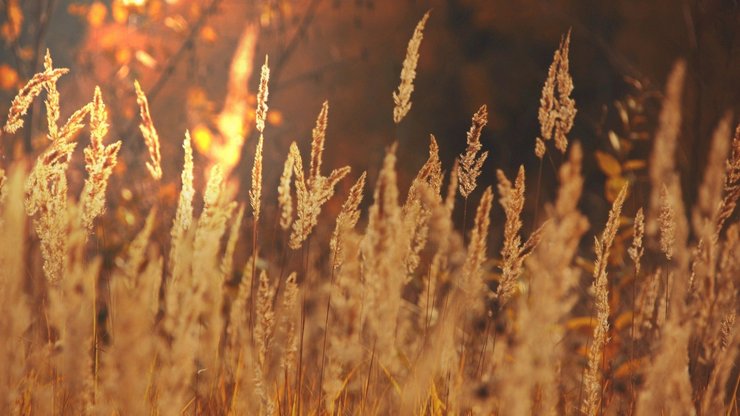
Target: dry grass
(393, 312)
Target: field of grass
(226, 307)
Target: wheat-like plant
(315, 190)
(402, 97)
(99, 162)
(151, 137)
(471, 161)
(557, 109)
(389, 309)
(602, 246)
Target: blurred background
(198, 61)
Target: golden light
(96, 14)
(8, 77)
(133, 3)
(232, 122)
(203, 139)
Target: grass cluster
(396, 310)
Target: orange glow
(275, 118)
(123, 56)
(8, 77)
(233, 121)
(96, 14)
(208, 34)
(119, 12)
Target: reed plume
(312, 192)
(346, 221)
(537, 351)
(383, 275)
(318, 138)
(402, 97)
(662, 164)
(471, 162)
(637, 249)
(513, 252)
(416, 214)
(472, 282)
(557, 110)
(285, 199)
(151, 137)
(22, 102)
(602, 246)
(46, 185)
(52, 98)
(731, 187)
(255, 194)
(209, 293)
(263, 335)
(262, 93)
(99, 162)
(667, 381)
(184, 213)
(135, 293)
(289, 327)
(667, 222)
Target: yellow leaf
(630, 367)
(608, 164)
(580, 323)
(624, 319)
(614, 140)
(634, 164)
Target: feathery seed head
(262, 93)
(402, 98)
(151, 138)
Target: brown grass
(392, 312)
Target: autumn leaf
(634, 164)
(623, 320)
(580, 323)
(630, 367)
(608, 164)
